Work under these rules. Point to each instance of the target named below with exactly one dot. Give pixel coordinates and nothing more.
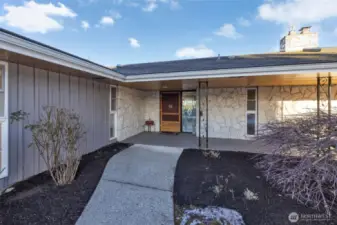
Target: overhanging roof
(227, 62)
(214, 67)
(22, 45)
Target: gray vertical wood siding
(29, 90)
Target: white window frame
(5, 124)
(113, 112)
(251, 112)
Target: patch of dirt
(198, 180)
(25, 194)
(38, 201)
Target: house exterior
(241, 94)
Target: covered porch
(188, 140)
(227, 113)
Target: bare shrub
(218, 187)
(211, 154)
(249, 195)
(302, 162)
(56, 136)
(222, 184)
(233, 194)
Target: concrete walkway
(185, 140)
(135, 188)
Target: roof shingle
(227, 62)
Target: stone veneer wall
(152, 109)
(280, 102)
(227, 113)
(228, 106)
(286, 101)
(130, 112)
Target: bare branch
(56, 136)
(303, 158)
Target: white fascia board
(246, 72)
(25, 47)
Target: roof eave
(22, 46)
(256, 71)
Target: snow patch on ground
(8, 190)
(211, 214)
(249, 195)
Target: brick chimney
(294, 41)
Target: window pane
(170, 102)
(251, 123)
(112, 125)
(251, 105)
(2, 104)
(113, 95)
(113, 92)
(251, 94)
(113, 105)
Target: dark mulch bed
(38, 201)
(196, 176)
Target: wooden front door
(170, 112)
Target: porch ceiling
(252, 81)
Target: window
(113, 112)
(251, 99)
(251, 111)
(3, 120)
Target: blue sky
(114, 32)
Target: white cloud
(199, 51)
(335, 31)
(228, 31)
(243, 22)
(35, 17)
(295, 12)
(151, 5)
(85, 25)
(107, 20)
(134, 43)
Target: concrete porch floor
(186, 140)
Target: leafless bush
(303, 160)
(211, 154)
(218, 187)
(249, 195)
(56, 136)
